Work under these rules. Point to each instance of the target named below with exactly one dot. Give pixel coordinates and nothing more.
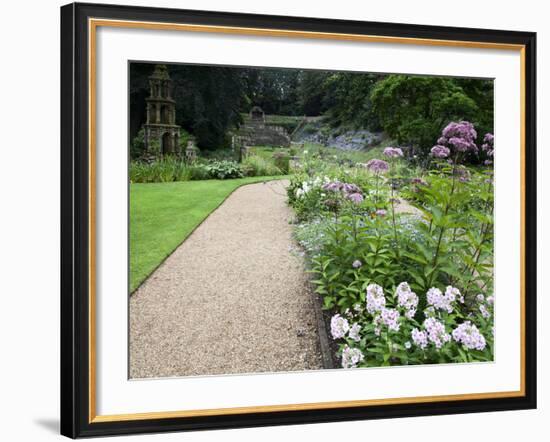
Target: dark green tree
(413, 109)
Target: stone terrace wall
(255, 132)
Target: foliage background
(412, 110)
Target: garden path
(232, 298)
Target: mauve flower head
(377, 166)
(351, 357)
(468, 334)
(339, 326)
(356, 264)
(332, 186)
(488, 144)
(357, 198)
(440, 151)
(393, 152)
(350, 188)
(459, 136)
(380, 212)
(442, 140)
(462, 145)
(462, 129)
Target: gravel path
(233, 298)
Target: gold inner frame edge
(93, 24)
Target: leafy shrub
(159, 171)
(223, 170)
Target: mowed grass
(162, 215)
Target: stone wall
(255, 132)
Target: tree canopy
(411, 109)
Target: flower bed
(403, 288)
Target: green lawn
(162, 215)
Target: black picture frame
(75, 221)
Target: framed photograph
(275, 220)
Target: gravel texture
(233, 298)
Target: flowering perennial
(354, 332)
(375, 298)
(407, 299)
(339, 326)
(440, 151)
(351, 357)
(468, 334)
(436, 332)
(350, 191)
(390, 318)
(420, 338)
(442, 301)
(393, 152)
(377, 166)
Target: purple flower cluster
(407, 299)
(468, 334)
(488, 144)
(380, 212)
(350, 191)
(456, 137)
(436, 332)
(351, 357)
(440, 151)
(377, 166)
(463, 174)
(393, 152)
(375, 298)
(339, 326)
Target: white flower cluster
(468, 334)
(436, 332)
(445, 301)
(307, 186)
(354, 332)
(351, 357)
(407, 299)
(375, 298)
(339, 326)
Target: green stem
(393, 209)
(442, 229)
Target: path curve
(233, 298)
